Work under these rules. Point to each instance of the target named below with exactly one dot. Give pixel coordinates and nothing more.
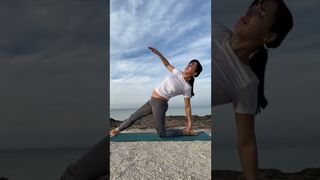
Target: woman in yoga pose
(178, 83)
(238, 65)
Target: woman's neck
(243, 48)
(186, 76)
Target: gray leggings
(157, 108)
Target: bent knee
(161, 133)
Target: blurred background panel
(288, 129)
(53, 75)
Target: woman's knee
(161, 133)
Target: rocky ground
(198, 122)
(168, 160)
(160, 160)
(266, 174)
(270, 174)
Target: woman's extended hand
(155, 51)
(189, 132)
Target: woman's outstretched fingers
(189, 132)
(193, 133)
(154, 50)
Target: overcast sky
(179, 29)
(292, 83)
(53, 73)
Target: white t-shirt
(233, 81)
(174, 85)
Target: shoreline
(198, 122)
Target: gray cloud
(53, 73)
(179, 29)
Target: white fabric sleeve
(187, 93)
(247, 100)
(176, 71)
(220, 31)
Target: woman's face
(257, 22)
(191, 68)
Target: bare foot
(114, 132)
(189, 133)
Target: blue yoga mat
(149, 136)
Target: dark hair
(198, 71)
(282, 25)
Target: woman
(179, 83)
(238, 65)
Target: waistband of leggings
(158, 99)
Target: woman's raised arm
(163, 59)
(247, 145)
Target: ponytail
(282, 25)
(191, 82)
(258, 64)
(198, 71)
